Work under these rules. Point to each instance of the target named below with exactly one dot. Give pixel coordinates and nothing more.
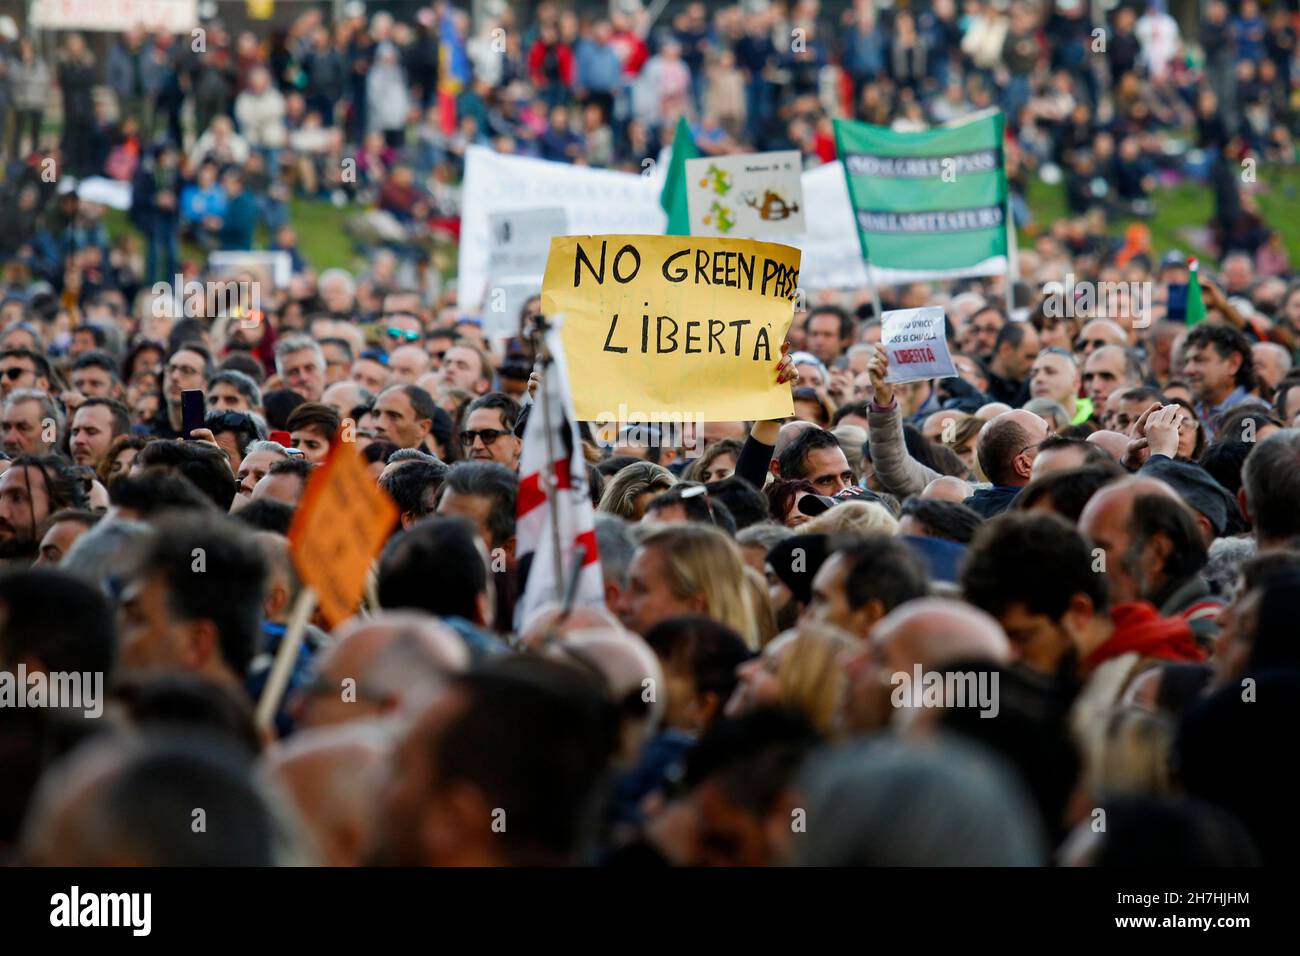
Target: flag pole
(1013, 255)
(875, 293)
(285, 657)
(551, 480)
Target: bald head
(1008, 445)
(408, 363)
(992, 410)
(344, 396)
(948, 488)
(1107, 521)
(1112, 443)
(1105, 331)
(545, 622)
(631, 671)
(385, 665)
(935, 632)
(334, 775)
(1272, 361)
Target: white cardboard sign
(749, 196)
(917, 347)
(520, 241)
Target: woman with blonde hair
(764, 615)
(801, 670)
(630, 490)
(855, 518)
(688, 569)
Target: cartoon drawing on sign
(722, 216)
(773, 208)
(721, 180)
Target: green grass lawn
(1186, 207)
(325, 243)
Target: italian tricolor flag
(1195, 304)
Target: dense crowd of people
(1030, 614)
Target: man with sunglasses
(437, 342)
(400, 329)
(488, 433)
(1099, 333)
(23, 368)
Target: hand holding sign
(878, 369)
(917, 345)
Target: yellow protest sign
(341, 524)
(672, 325)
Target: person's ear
(277, 599)
(865, 617)
(1023, 466)
(708, 704)
(1079, 613)
(201, 643)
(1157, 551)
(613, 594)
(483, 613)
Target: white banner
(600, 202)
(172, 16)
(521, 241)
(596, 201)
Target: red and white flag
(572, 512)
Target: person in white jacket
(259, 110)
(388, 100)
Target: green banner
(931, 204)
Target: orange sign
(341, 524)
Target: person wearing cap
(790, 568)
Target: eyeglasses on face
(177, 369)
(410, 335)
(1082, 344)
(489, 435)
(15, 372)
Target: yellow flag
(663, 326)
